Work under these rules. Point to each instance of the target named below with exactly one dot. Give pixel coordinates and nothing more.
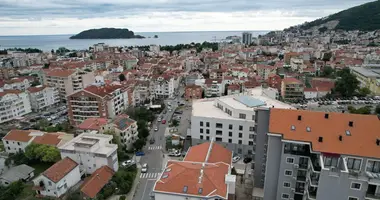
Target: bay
(49, 42)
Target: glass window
(207, 124)
(356, 186)
(250, 143)
(207, 131)
(230, 126)
(219, 125)
(240, 127)
(230, 134)
(252, 128)
(240, 141)
(218, 132)
(229, 140)
(200, 123)
(285, 196)
(288, 172)
(240, 135)
(242, 116)
(218, 139)
(373, 166)
(290, 160)
(201, 137)
(354, 164)
(207, 138)
(201, 130)
(286, 184)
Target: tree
(51, 155)
(46, 66)
(366, 110)
(175, 122)
(41, 152)
(12, 191)
(139, 144)
(143, 133)
(327, 72)
(347, 83)
(364, 92)
(377, 110)
(16, 159)
(42, 124)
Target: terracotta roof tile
(48, 139)
(291, 80)
(92, 186)
(36, 89)
(60, 169)
(361, 142)
(102, 90)
(18, 135)
(93, 123)
(59, 72)
(218, 153)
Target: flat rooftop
(365, 72)
(207, 108)
(88, 142)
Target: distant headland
(107, 33)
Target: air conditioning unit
(296, 166)
(293, 189)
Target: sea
(49, 42)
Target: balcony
(297, 149)
(301, 178)
(314, 162)
(372, 195)
(312, 193)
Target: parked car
(156, 128)
(152, 140)
(159, 119)
(235, 159)
(163, 122)
(140, 153)
(144, 168)
(128, 163)
(178, 112)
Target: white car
(144, 168)
(127, 163)
(159, 119)
(235, 159)
(156, 129)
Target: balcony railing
(301, 178)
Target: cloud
(64, 16)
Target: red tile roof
(48, 139)
(18, 135)
(291, 80)
(92, 186)
(361, 141)
(102, 90)
(218, 153)
(36, 89)
(93, 123)
(60, 169)
(59, 72)
(5, 92)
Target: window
(251, 136)
(240, 128)
(356, 186)
(288, 172)
(230, 134)
(240, 141)
(285, 196)
(290, 160)
(230, 126)
(207, 131)
(207, 138)
(253, 117)
(240, 135)
(201, 137)
(353, 198)
(219, 125)
(250, 143)
(18, 143)
(229, 140)
(252, 128)
(218, 132)
(286, 185)
(242, 116)
(373, 166)
(200, 123)
(49, 183)
(201, 130)
(250, 152)
(240, 150)
(218, 139)
(331, 161)
(354, 164)
(207, 124)
(9, 148)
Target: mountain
(365, 17)
(106, 33)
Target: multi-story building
(7, 73)
(193, 92)
(42, 97)
(204, 173)
(57, 179)
(247, 38)
(125, 129)
(318, 156)
(17, 140)
(232, 121)
(91, 151)
(265, 71)
(233, 89)
(214, 88)
(13, 105)
(97, 101)
(368, 78)
(68, 81)
(164, 86)
(292, 89)
(17, 84)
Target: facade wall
(272, 171)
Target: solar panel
(250, 101)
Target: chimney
(350, 123)
(320, 139)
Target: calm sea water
(49, 42)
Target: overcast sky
(36, 17)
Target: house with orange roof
(13, 105)
(233, 89)
(95, 183)
(43, 96)
(17, 140)
(193, 92)
(292, 89)
(214, 87)
(93, 124)
(18, 83)
(319, 155)
(57, 179)
(205, 173)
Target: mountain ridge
(106, 33)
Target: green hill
(106, 33)
(365, 17)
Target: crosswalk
(149, 175)
(154, 147)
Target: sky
(49, 17)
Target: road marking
(155, 147)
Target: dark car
(152, 140)
(178, 112)
(140, 153)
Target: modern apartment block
(19, 83)
(292, 89)
(104, 101)
(164, 86)
(238, 122)
(68, 80)
(42, 97)
(91, 151)
(214, 88)
(13, 105)
(319, 156)
(246, 38)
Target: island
(155, 36)
(107, 33)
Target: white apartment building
(319, 156)
(154, 48)
(231, 120)
(13, 104)
(68, 81)
(91, 151)
(164, 86)
(126, 130)
(17, 140)
(42, 97)
(18, 83)
(214, 88)
(58, 179)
